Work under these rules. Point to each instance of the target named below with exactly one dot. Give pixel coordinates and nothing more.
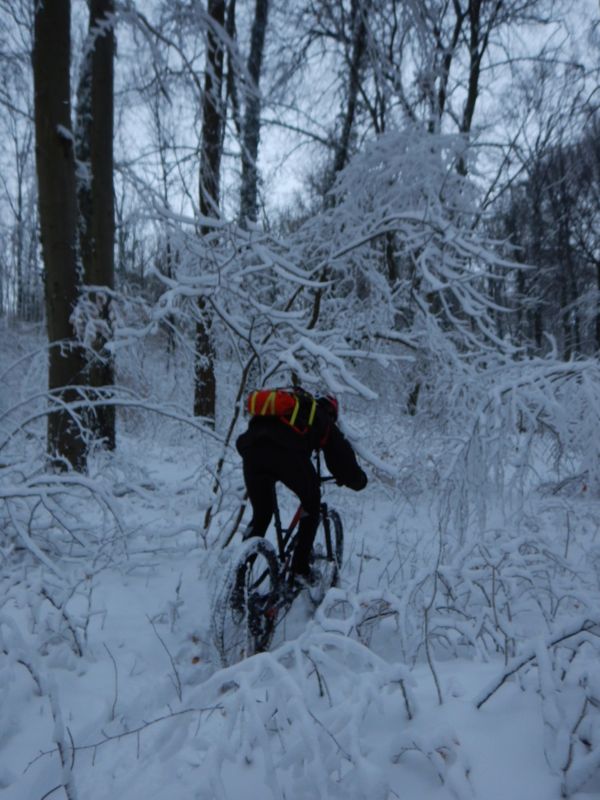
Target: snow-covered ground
(448, 664)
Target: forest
(393, 202)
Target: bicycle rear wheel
(328, 551)
(244, 609)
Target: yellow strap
(269, 404)
(253, 403)
(295, 411)
(311, 416)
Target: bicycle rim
(245, 608)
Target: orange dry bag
(295, 407)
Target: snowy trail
(345, 704)
(322, 715)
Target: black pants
(265, 463)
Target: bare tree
(21, 290)
(550, 212)
(94, 144)
(354, 57)
(251, 131)
(24, 292)
(205, 388)
(551, 217)
(58, 221)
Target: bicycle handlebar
(322, 478)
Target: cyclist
(272, 450)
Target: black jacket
(323, 434)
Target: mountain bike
(258, 589)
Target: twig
(406, 701)
(567, 543)
(344, 753)
(78, 649)
(30, 544)
(572, 733)
(177, 681)
(51, 791)
(132, 732)
(361, 558)
(321, 681)
(114, 705)
(427, 612)
(72, 741)
(517, 664)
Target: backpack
(294, 407)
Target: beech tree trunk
(94, 144)
(58, 223)
(205, 388)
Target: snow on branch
(303, 719)
(404, 189)
(569, 690)
(15, 649)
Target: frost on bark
(94, 145)
(55, 164)
(210, 167)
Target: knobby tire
(244, 609)
(329, 567)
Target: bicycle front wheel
(244, 609)
(328, 550)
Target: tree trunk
(251, 135)
(58, 220)
(478, 43)
(565, 323)
(448, 51)
(597, 321)
(359, 11)
(573, 300)
(94, 143)
(205, 388)
(357, 49)
(476, 50)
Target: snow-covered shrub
(320, 717)
(563, 666)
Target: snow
(333, 710)
(459, 656)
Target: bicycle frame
(244, 614)
(285, 535)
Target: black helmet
(330, 404)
